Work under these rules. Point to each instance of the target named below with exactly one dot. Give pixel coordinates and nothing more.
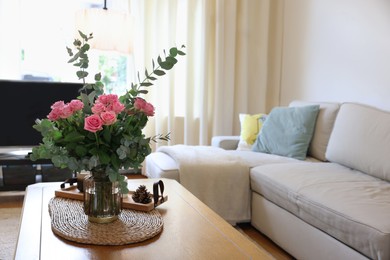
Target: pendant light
(112, 30)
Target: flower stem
(97, 140)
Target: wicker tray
(69, 221)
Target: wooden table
(191, 231)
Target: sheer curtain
(231, 65)
(10, 40)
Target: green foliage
(80, 59)
(164, 64)
(121, 144)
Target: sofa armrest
(225, 142)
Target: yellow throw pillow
(250, 128)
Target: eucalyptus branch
(80, 59)
(166, 65)
(163, 65)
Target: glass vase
(102, 198)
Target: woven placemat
(69, 221)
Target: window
(34, 35)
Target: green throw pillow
(287, 131)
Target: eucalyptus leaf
(173, 52)
(74, 58)
(159, 72)
(98, 76)
(159, 60)
(122, 152)
(91, 96)
(166, 65)
(146, 84)
(83, 56)
(143, 91)
(60, 161)
(73, 164)
(171, 60)
(81, 74)
(83, 36)
(84, 65)
(93, 162)
(85, 47)
(77, 43)
(69, 50)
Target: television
(21, 103)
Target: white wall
(336, 50)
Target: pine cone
(142, 195)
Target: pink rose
(112, 98)
(143, 106)
(117, 107)
(103, 99)
(98, 108)
(58, 104)
(93, 123)
(139, 103)
(108, 118)
(62, 110)
(149, 109)
(57, 111)
(76, 105)
(108, 102)
(66, 111)
(107, 99)
(54, 115)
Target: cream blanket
(215, 176)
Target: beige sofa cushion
(253, 159)
(161, 165)
(361, 140)
(349, 205)
(324, 125)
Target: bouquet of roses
(98, 131)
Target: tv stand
(17, 171)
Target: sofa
(332, 204)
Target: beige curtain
(232, 64)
